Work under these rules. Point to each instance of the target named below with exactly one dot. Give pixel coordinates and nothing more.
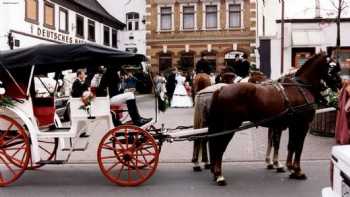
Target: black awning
(57, 57)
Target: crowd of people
(177, 85)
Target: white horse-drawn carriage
(31, 133)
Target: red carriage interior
(44, 110)
(43, 107)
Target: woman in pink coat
(342, 134)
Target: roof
(92, 8)
(313, 20)
(56, 57)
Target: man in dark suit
(78, 88)
(79, 85)
(242, 67)
(171, 84)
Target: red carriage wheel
(14, 150)
(128, 155)
(48, 148)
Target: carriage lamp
(10, 41)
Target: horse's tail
(214, 115)
(198, 114)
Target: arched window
(132, 21)
(231, 55)
(31, 11)
(186, 60)
(210, 57)
(165, 61)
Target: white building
(268, 11)
(303, 37)
(29, 22)
(133, 14)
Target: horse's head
(321, 71)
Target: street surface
(244, 168)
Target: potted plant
(325, 117)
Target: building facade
(305, 37)
(180, 32)
(133, 13)
(29, 22)
(267, 38)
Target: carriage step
(54, 162)
(77, 149)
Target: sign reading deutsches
(55, 36)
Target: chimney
(317, 9)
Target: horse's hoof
(297, 176)
(269, 166)
(221, 181)
(290, 168)
(280, 170)
(197, 168)
(207, 166)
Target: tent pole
(30, 79)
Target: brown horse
(289, 103)
(200, 81)
(203, 100)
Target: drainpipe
(317, 9)
(282, 37)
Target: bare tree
(340, 6)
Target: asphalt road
(171, 180)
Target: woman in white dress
(181, 98)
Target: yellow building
(179, 32)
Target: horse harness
(302, 89)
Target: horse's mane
(315, 58)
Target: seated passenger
(79, 88)
(112, 81)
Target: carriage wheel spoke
(11, 125)
(116, 141)
(144, 158)
(11, 140)
(129, 171)
(126, 137)
(113, 166)
(4, 134)
(121, 169)
(135, 140)
(7, 165)
(108, 157)
(138, 160)
(18, 149)
(107, 147)
(138, 171)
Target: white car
(340, 174)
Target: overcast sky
(306, 8)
